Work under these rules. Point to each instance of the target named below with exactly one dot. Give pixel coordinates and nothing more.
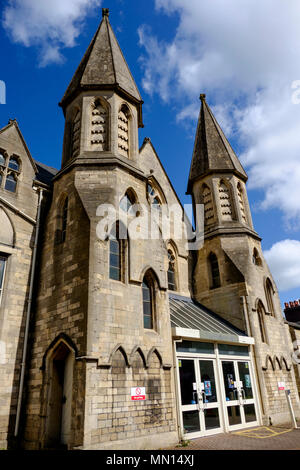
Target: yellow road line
(253, 434)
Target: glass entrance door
(238, 393)
(200, 397)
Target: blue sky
(175, 50)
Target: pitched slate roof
(45, 173)
(212, 151)
(103, 66)
(187, 314)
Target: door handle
(243, 394)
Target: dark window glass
(229, 380)
(11, 183)
(215, 273)
(187, 378)
(14, 164)
(147, 305)
(191, 421)
(261, 312)
(171, 271)
(195, 347)
(250, 414)
(1, 178)
(232, 350)
(115, 260)
(64, 220)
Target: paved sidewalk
(258, 438)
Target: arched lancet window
(241, 202)
(76, 134)
(208, 205)
(99, 124)
(117, 247)
(62, 220)
(269, 296)
(128, 200)
(148, 302)
(214, 270)
(171, 270)
(225, 201)
(123, 130)
(11, 183)
(256, 258)
(261, 320)
(154, 196)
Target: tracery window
(9, 172)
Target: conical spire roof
(212, 151)
(103, 67)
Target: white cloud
(283, 260)
(245, 57)
(50, 25)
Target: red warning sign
(138, 393)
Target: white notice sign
(138, 393)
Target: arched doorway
(60, 366)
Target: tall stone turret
(231, 275)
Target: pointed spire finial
(202, 97)
(105, 12)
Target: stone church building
(124, 342)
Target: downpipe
(26, 333)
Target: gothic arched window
(99, 125)
(214, 270)
(128, 200)
(148, 302)
(62, 220)
(118, 247)
(123, 130)
(171, 270)
(154, 196)
(269, 296)
(261, 321)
